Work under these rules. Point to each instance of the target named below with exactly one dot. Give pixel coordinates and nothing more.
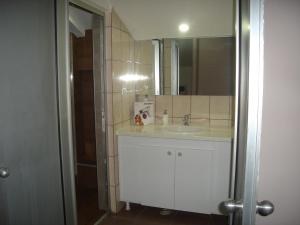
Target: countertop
(159, 131)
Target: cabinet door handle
(179, 154)
(169, 153)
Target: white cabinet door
(221, 175)
(193, 180)
(157, 180)
(129, 173)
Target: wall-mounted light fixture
(183, 27)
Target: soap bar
(144, 113)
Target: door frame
(65, 101)
(99, 106)
(254, 107)
(255, 104)
(249, 94)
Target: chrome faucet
(186, 119)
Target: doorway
(86, 66)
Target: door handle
(4, 172)
(230, 206)
(263, 208)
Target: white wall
(79, 21)
(279, 179)
(104, 4)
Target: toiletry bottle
(165, 118)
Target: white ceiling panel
(147, 19)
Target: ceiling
(148, 19)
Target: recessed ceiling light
(183, 27)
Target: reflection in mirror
(192, 47)
(198, 66)
(158, 69)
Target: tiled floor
(141, 215)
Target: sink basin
(184, 129)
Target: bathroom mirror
(179, 48)
(194, 66)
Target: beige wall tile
(107, 18)
(140, 85)
(219, 107)
(120, 205)
(151, 91)
(126, 109)
(167, 57)
(98, 127)
(115, 20)
(116, 128)
(97, 100)
(137, 51)
(115, 142)
(123, 27)
(125, 45)
(142, 69)
(177, 121)
(181, 105)
(131, 49)
(167, 77)
(131, 105)
(148, 54)
(127, 122)
(117, 108)
(116, 44)
(127, 86)
(113, 199)
(137, 68)
(109, 108)
(108, 42)
(167, 91)
(117, 70)
(232, 107)
(163, 102)
(200, 107)
(111, 171)
(167, 43)
(110, 141)
(108, 75)
(117, 173)
(200, 122)
(220, 123)
(150, 73)
(158, 120)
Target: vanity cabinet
(187, 175)
(157, 176)
(192, 180)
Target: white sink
(184, 129)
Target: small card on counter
(144, 113)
